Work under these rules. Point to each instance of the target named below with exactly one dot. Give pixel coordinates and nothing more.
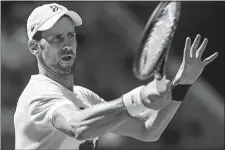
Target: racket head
(156, 39)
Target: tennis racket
(156, 39)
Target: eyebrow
(54, 35)
(57, 34)
(71, 32)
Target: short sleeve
(42, 105)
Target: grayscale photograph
(112, 75)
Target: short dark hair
(37, 36)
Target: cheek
(50, 56)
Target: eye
(71, 35)
(57, 38)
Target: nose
(69, 44)
(67, 41)
(67, 48)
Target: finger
(157, 76)
(187, 47)
(195, 45)
(210, 59)
(201, 48)
(162, 85)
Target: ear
(34, 47)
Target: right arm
(113, 117)
(60, 113)
(107, 116)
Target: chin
(66, 65)
(67, 68)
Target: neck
(65, 80)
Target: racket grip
(180, 91)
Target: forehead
(64, 24)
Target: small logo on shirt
(132, 99)
(81, 108)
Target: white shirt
(33, 116)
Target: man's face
(60, 47)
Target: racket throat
(160, 69)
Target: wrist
(179, 91)
(132, 102)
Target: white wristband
(133, 103)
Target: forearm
(155, 127)
(148, 125)
(166, 114)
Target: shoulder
(40, 88)
(44, 84)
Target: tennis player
(52, 113)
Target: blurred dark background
(108, 40)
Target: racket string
(157, 39)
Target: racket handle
(158, 76)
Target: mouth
(67, 58)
